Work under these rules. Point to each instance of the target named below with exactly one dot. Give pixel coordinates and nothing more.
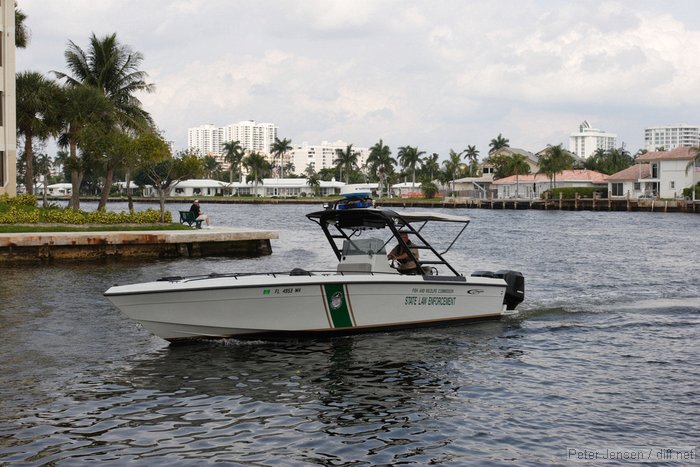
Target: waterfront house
(407, 190)
(472, 187)
(198, 187)
(531, 158)
(55, 189)
(533, 185)
(285, 187)
(668, 172)
(633, 182)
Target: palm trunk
(46, 185)
(161, 199)
(29, 162)
(106, 188)
(75, 178)
(128, 190)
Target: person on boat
(198, 212)
(399, 253)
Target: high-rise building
(253, 136)
(8, 128)
(322, 156)
(208, 139)
(671, 136)
(588, 140)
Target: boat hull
(306, 305)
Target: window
(654, 170)
(617, 189)
(672, 184)
(637, 186)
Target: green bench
(188, 217)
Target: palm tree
(314, 182)
(453, 165)
(381, 164)
(21, 31)
(37, 102)
(211, 166)
(694, 162)
(497, 143)
(233, 154)
(410, 159)
(554, 160)
(471, 154)
(257, 167)
(279, 149)
(112, 69)
(430, 165)
(346, 160)
(43, 168)
(81, 106)
(518, 165)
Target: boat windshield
(363, 246)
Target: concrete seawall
(49, 246)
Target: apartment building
(322, 156)
(588, 140)
(208, 139)
(671, 136)
(8, 128)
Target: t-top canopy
(379, 218)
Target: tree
(381, 164)
(163, 171)
(555, 160)
(471, 154)
(37, 115)
(43, 168)
(346, 160)
(21, 32)
(314, 182)
(81, 107)
(233, 154)
(112, 69)
(609, 162)
(431, 166)
(279, 150)
(428, 188)
(410, 159)
(211, 166)
(257, 167)
(694, 162)
(518, 166)
(453, 166)
(497, 143)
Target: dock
(56, 246)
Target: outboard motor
(515, 287)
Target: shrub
(20, 200)
(688, 192)
(68, 216)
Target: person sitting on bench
(198, 212)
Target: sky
(434, 74)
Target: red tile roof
(636, 172)
(674, 154)
(582, 175)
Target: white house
(283, 187)
(198, 187)
(532, 185)
(55, 189)
(634, 182)
(407, 190)
(668, 171)
(472, 187)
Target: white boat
(362, 293)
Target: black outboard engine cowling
(515, 288)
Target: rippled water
(604, 353)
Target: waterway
(603, 355)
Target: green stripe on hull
(337, 305)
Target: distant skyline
(434, 74)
